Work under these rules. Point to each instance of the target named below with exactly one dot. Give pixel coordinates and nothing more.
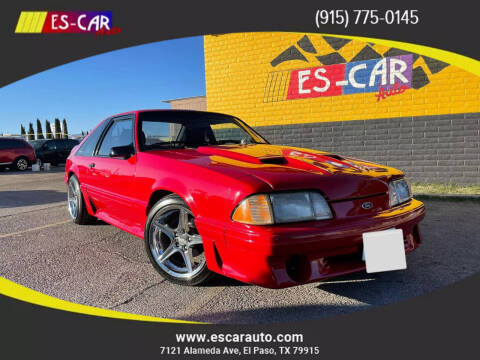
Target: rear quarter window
(50, 145)
(91, 141)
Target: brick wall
(429, 129)
(437, 148)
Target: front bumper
(291, 254)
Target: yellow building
(350, 97)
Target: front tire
(76, 203)
(173, 244)
(21, 164)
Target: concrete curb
(448, 197)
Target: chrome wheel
(73, 197)
(22, 164)
(175, 244)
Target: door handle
(92, 165)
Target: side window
(154, 133)
(4, 144)
(50, 145)
(60, 144)
(90, 143)
(120, 133)
(17, 144)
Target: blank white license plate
(384, 250)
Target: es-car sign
(386, 76)
(67, 22)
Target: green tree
(22, 132)
(58, 129)
(65, 129)
(39, 130)
(31, 133)
(48, 130)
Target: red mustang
(208, 194)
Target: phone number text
(366, 17)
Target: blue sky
(89, 90)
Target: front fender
(175, 186)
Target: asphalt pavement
(100, 265)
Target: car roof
(11, 138)
(172, 111)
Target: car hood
(291, 168)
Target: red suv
(16, 153)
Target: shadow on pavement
(219, 280)
(371, 289)
(19, 198)
(98, 222)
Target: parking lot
(102, 266)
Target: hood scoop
(275, 160)
(337, 157)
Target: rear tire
(173, 244)
(76, 203)
(21, 164)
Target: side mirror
(123, 152)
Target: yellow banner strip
(19, 292)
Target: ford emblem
(367, 205)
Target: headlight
(282, 208)
(399, 191)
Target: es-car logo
(66, 22)
(387, 76)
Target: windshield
(36, 144)
(185, 129)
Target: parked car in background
(54, 151)
(16, 153)
(208, 194)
